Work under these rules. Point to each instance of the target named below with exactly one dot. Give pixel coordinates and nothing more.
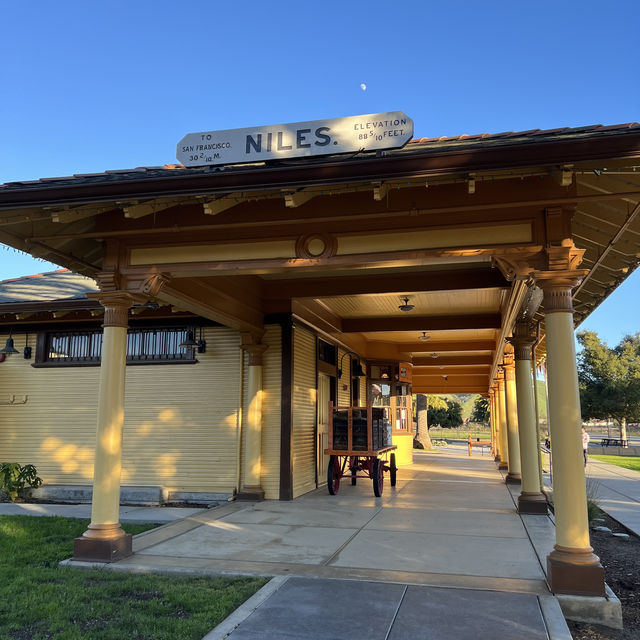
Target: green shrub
(16, 481)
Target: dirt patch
(621, 562)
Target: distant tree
(423, 402)
(480, 411)
(448, 417)
(610, 379)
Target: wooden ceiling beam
(439, 346)
(293, 199)
(454, 280)
(477, 369)
(462, 379)
(141, 209)
(69, 215)
(451, 360)
(203, 300)
(446, 387)
(212, 207)
(421, 323)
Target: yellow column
(502, 416)
(104, 540)
(572, 567)
(251, 487)
(492, 424)
(531, 499)
(513, 440)
(496, 422)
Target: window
(144, 346)
(327, 352)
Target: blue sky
(93, 86)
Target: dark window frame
(163, 337)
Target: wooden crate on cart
(358, 437)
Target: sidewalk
(617, 492)
(156, 515)
(441, 555)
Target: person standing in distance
(585, 444)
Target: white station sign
(320, 137)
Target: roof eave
(415, 165)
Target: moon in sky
(363, 86)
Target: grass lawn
(627, 462)
(40, 600)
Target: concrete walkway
(157, 515)
(617, 492)
(441, 555)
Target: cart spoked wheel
(354, 470)
(333, 475)
(393, 469)
(378, 477)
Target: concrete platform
(317, 609)
(450, 525)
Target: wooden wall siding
(363, 387)
(180, 420)
(271, 407)
(344, 394)
(304, 411)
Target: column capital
(508, 363)
(523, 339)
(116, 306)
(252, 345)
(557, 287)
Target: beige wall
(181, 421)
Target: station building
(239, 300)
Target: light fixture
(202, 344)
(27, 348)
(9, 348)
(358, 373)
(189, 342)
(434, 355)
(406, 307)
(424, 337)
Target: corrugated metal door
(304, 411)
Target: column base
(502, 465)
(575, 572)
(250, 494)
(534, 503)
(103, 543)
(513, 478)
(496, 458)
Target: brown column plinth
(533, 503)
(567, 574)
(512, 478)
(250, 494)
(103, 543)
